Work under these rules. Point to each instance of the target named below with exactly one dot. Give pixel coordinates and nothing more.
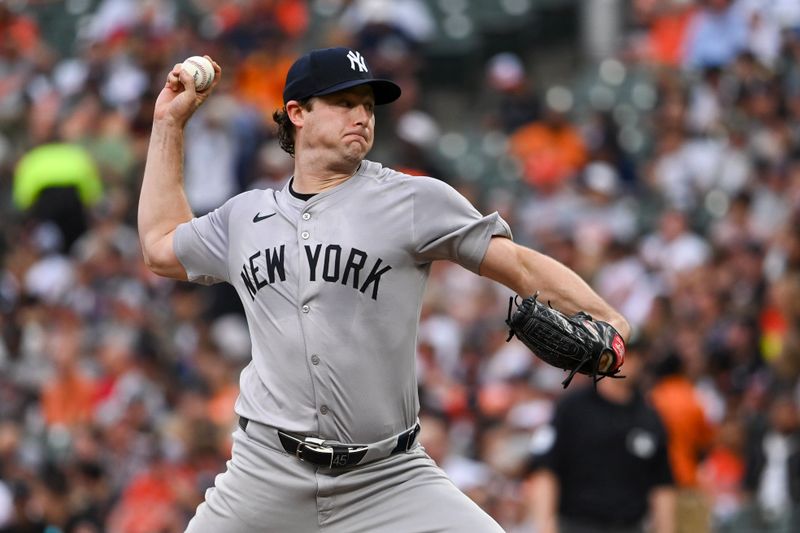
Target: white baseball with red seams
(201, 70)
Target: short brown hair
(286, 127)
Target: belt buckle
(315, 444)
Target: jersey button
(306, 309)
(324, 409)
(306, 216)
(305, 235)
(315, 359)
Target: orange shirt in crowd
(721, 475)
(22, 32)
(665, 43)
(291, 16)
(149, 502)
(259, 81)
(688, 430)
(220, 406)
(68, 399)
(549, 155)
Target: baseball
(201, 70)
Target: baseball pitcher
(331, 270)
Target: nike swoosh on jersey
(259, 218)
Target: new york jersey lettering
(374, 277)
(330, 272)
(336, 269)
(272, 264)
(355, 262)
(331, 263)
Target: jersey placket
(307, 294)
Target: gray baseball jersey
(332, 289)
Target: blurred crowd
(678, 200)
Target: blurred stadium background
(651, 145)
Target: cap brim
(385, 91)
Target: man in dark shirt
(601, 465)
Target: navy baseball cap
(328, 70)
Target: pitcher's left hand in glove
(576, 343)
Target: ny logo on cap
(356, 59)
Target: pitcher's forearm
(162, 201)
(569, 291)
(526, 271)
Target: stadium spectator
(673, 249)
(689, 437)
(511, 100)
(716, 35)
(721, 473)
(551, 150)
(57, 182)
(664, 24)
(772, 477)
(68, 397)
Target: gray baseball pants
(264, 489)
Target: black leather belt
(315, 451)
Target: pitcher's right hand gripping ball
(577, 343)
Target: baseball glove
(576, 343)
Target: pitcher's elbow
(151, 262)
(163, 264)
